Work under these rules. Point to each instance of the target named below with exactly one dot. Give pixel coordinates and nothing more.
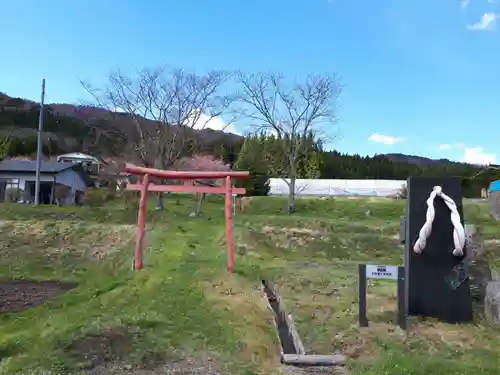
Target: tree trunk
(199, 205)
(291, 195)
(159, 202)
(291, 186)
(159, 206)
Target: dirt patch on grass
(21, 294)
(427, 336)
(363, 343)
(97, 349)
(111, 352)
(193, 364)
(453, 335)
(101, 241)
(343, 241)
(91, 240)
(291, 231)
(292, 237)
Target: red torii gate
(147, 186)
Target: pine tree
(4, 147)
(251, 158)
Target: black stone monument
(437, 283)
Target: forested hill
(387, 166)
(70, 128)
(415, 159)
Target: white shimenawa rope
(425, 232)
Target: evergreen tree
(5, 143)
(251, 158)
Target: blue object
(494, 186)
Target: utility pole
(39, 147)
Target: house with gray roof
(19, 176)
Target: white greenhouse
(320, 188)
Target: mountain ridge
(76, 127)
(422, 160)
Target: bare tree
(158, 109)
(291, 110)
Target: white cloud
(447, 146)
(471, 155)
(206, 122)
(476, 155)
(488, 21)
(385, 139)
(464, 4)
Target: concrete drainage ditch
(292, 349)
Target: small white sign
(381, 272)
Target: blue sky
(421, 77)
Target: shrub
(99, 196)
(257, 184)
(130, 199)
(402, 192)
(61, 192)
(110, 193)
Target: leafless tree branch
(157, 109)
(292, 110)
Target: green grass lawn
(184, 312)
(161, 317)
(313, 258)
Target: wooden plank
(276, 330)
(297, 342)
(428, 290)
(282, 317)
(314, 359)
(187, 189)
(287, 347)
(189, 175)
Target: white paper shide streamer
(425, 232)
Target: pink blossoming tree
(202, 163)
